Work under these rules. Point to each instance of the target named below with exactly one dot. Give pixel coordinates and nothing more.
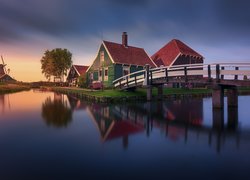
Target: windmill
(3, 66)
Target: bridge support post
(232, 97)
(160, 92)
(232, 118)
(218, 97)
(218, 119)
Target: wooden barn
(176, 53)
(74, 72)
(114, 60)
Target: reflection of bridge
(176, 119)
(218, 76)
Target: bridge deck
(226, 74)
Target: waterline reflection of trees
(56, 113)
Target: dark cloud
(213, 22)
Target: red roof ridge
(122, 45)
(129, 55)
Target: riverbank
(111, 95)
(11, 88)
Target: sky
(217, 29)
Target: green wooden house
(114, 60)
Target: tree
(56, 62)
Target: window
(101, 56)
(126, 70)
(105, 74)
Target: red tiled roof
(81, 69)
(168, 53)
(123, 128)
(128, 55)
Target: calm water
(53, 136)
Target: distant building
(115, 60)
(74, 72)
(176, 53)
(4, 77)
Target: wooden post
(218, 97)
(236, 76)
(185, 74)
(217, 73)
(149, 87)
(232, 118)
(147, 73)
(151, 77)
(166, 74)
(127, 80)
(218, 119)
(209, 72)
(232, 97)
(222, 76)
(135, 81)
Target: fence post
(222, 76)
(185, 74)
(127, 80)
(147, 74)
(151, 77)
(217, 73)
(135, 81)
(166, 74)
(236, 76)
(209, 72)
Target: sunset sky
(217, 29)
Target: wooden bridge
(216, 76)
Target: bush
(82, 81)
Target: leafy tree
(56, 62)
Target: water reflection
(4, 103)
(56, 112)
(180, 120)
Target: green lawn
(138, 92)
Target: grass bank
(11, 88)
(111, 95)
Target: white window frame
(106, 77)
(100, 73)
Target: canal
(45, 135)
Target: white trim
(108, 52)
(106, 78)
(76, 70)
(150, 58)
(95, 57)
(174, 59)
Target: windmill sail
(4, 68)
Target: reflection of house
(110, 126)
(74, 72)
(114, 60)
(176, 53)
(76, 103)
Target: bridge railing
(237, 71)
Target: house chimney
(125, 39)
